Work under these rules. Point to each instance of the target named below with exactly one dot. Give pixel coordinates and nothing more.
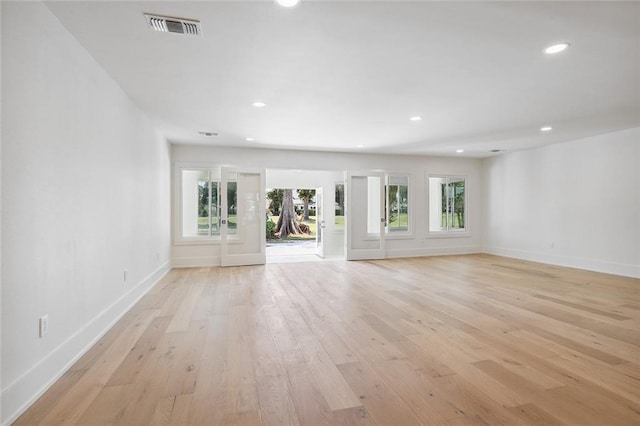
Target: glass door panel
(243, 217)
(320, 225)
(365, 216)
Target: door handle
(224, 221)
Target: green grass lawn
(456, 221)
(399, 221)
(203, 225)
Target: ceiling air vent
(168, 24)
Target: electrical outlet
(43, 325)
(124, 276)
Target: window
(339, 206)
(447, 204)
(397, 203)
(200, 204)
(232, 203)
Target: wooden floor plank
(451, 340)
(45, 404)
(331, 383)
(384, 405)
(72, 404)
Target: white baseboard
(195, 262)
(432, 251)
(24, 391)
(207, 261)
(595, 265)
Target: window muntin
(447, 204)
(397, 203)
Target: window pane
(397, 203)
(437, 204)
(195, 203)
(457, 194)
(446, 204)
(403, 206)
(374, 201)
(232, 202)
(215, 207)
(339, 206)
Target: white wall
(86, 195)
(573, 204)
(417, 167)
(1, 387)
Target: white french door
(365, 215)
(320, 224)
(242, 230)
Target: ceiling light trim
(557, 48)
(288, 3)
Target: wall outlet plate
(43, 325)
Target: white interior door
(365, 215)
(320, 224)
(242, 230)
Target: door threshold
(294, 258)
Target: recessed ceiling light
(288, 3)
(556, 48)
(250, 139)
(359, 146)
(416, 118)
(546, 128)
(459, 151)
(259, 104)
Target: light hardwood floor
(441, 340)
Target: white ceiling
(338, 74)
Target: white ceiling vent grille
(168, 24)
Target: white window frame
(178, 237)
(449, 233)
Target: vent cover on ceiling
(168, 24)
